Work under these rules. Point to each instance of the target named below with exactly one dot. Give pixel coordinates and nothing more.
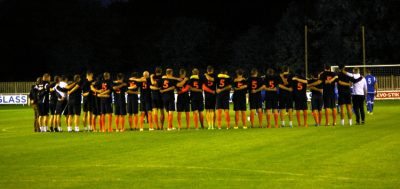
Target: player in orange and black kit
(133, 98)
(285, 95)
(145, 99)
(239, 98)
(167, 88)
(88, 101)
(156, 98)
(316, 99)
(271, 96)
(74, 102)
(119, 89)
(224, 86)
(210, 96)
(183, 99)
(255, 85)
(299, 86)
(196, 98)
(328, 81)
(95, 86)
(105, 102)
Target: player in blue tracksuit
(372, 89)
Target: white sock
(283, 123)
(350, 122)
(291, 123)
(342, 122)
(69, 128)
(41, 129)
(76, 129)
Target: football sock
(236, 118)
(244, 119)
(252, 118)
(298, 118)
(276, 115)
(196, 120)
(228, 119)
(260, 116)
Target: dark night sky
(55, 35)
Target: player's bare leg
(334, 113)
(327, 112)
(316, 115)
(260, 117)
(227, 118)
(188, 119)
(135, 120)
(237, 115)
(76, 121)
(196, 119)
(219, 118)
(298, 118)
(350, 113)
(305, 117)
(282, 116)
(252, 118)
(155, 118)
(109, 116)
(179, 120)
(244, 119)
(122, 120)
(130, 121)
(268, 114)
(290, 117)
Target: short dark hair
(195, 71)
(270, 72)
(182, 71)
(254, 71)
(158, 70)
(239, 71)
(120, 76)
(210, 68)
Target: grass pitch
(335, 157)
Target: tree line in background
(65, 37)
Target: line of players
(283, 93)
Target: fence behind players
(16, 87)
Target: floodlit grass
(335, 157)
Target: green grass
(341, 157)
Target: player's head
(99, 77)
(146, 74)
(210, 69)
(315, 75)
(356, 70)
(56, 79)
(46, 77)
(285, 69)
(158, 70)
(239, 72)
(134, 74)
(182, 72)
(38, 80)
(120, 76)
(77, 78)
(254, 72)
(106, 76)
(223, 71)
(327, 67)
(195, 71)
(270, 72)
(89, 75)
(64, 78)
(169, 71)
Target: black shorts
(168, 102)
(285, 101)
(88, 103)
(74, 109)
(120, 108)
(105, 107)
(145, 105)
(156, 99)
(52, 107)
(344, 98)
(329, 101)
(43, 109)
(210, 101)
(239, 103)
(316, 102)
(133, 104)
(196, 103)
(96, 106)
(183, 103)
(61, 107)
(255, 101)
(222, 101)
(271, 101)
(300, 103)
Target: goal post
(388, 79)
